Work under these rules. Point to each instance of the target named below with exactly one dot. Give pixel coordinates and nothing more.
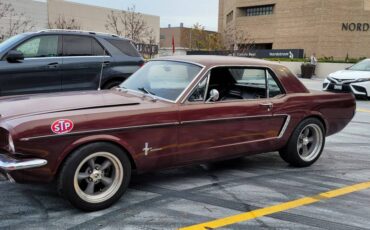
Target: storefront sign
(355, 27)
(278, 53)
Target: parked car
(174, 111)
(355, 79)
(63, 60)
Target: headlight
(11, 146)
(363, 79)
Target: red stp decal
(62, 126)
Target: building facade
(90, 18)
(329, 28)
(15, 12)
(184, 38)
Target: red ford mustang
(172, 112)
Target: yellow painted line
(363, 110)
(278, 208)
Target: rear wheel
(95, 176)
(306, 144)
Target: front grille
(345, 88)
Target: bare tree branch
(16, 22)
(62, 23)
(130, 24)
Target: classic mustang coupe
(172, 112)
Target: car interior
(237, 83)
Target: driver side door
(39, 72)
(233, 125)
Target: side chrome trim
(101, 130)
(9, 164)
(226, 118)
(285, 126)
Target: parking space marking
(363, 110)
(278, 208)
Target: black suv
(62, 60)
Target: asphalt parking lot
(188, 196)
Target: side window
(77, 46)
(238, 83)
(274, 89)
(41, 46)
(199, 93)
(97, 49)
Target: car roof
(81, 32)
(214, 60)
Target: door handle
(269, 105)
(106, 63)
(53, 65)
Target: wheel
(112, 84)
(95, 176)
(306, 144)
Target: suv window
(41, 46)
(125, 47)
(81, 46)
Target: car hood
(350, 75)
(62, 102)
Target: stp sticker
(62, 126)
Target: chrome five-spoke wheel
(98, 177)
(95, 176)
(306, 143)
(310, 142)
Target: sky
(170, 11)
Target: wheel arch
(90, 140)
(113, 79)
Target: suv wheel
(112, 84)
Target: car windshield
(9, 42)
(165, 79)
(361, 66)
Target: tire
(112, 84)
(95, 176)
(305, 144)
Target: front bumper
(357, 88)
(9, 164)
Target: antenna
(101, 71)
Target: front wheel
(95, 176)
(306, 144)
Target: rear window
(125, 47)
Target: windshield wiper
(147, 92)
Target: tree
(62, 23)
(198, 37)
(130, 24)
(14, 22)
(238, 40)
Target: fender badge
(62, 126)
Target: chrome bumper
(8, 164)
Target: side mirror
(214, 95)
(14, 56)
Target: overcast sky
(171, 11)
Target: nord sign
(355, 27)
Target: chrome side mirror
(214, 95)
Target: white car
(355, 79)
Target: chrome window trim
(185, 99)
(58, 57)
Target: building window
(162, 36)
(230, 16)
(256, 10)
